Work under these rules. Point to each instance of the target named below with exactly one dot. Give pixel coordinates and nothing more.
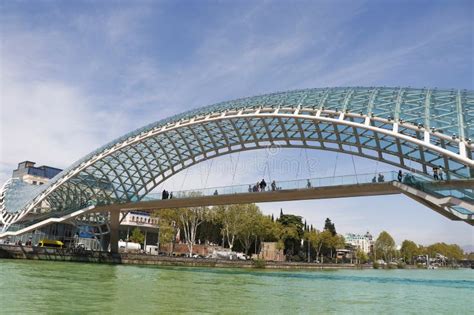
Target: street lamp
(173, 223)
(158, 239)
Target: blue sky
(77, 74)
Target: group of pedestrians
(262, 186)
(259, 186)
(437, 175)
(166, 195)
(378, 179)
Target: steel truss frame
(408, 128)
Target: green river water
(57, 287)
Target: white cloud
(47, 121)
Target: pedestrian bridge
(449, 198)
(411, 129)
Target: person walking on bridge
(435, 173)
(400, 176)
(440, 173)
(255, 187)
(274, 186)
(263, 185)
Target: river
(61, 287)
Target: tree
(337, 241)
(248, 227)
(315, 240)
(292, 233)
(188, 220)
(137, 236)
(268, 229)
(231, 219)
(385, 245)
(361, 256)
(332, 242)
(318, 239)
(452, 252)
(408, 250)
(166, 232)
(329, 226)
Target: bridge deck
(324, 192)
(354, 190)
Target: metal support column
(114, 231)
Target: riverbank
(51, 254)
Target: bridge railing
(429, 186)
(283, 185)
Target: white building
(363, 242)
(139, 219)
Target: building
(27, 172)
(147, 224)
(363, 242)
(90, 230)
(269, 251)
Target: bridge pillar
(114, 230)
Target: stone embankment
(52, 254)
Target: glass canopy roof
(413, 129)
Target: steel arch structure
(413, 129)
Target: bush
(259, 263)
(376, 265)
(392, 266)
(401, 265)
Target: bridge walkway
(452, 199)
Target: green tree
(318, 240)
(166, 232)
(231, 219)
(361, 256)
(409, 250)
(385, 245)
(269, 230)
(452, 252)
(291, 233)
(329, 226)
(137, 236)
(337, 242)
(249, 220)
(456, 252)
(187, 220)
